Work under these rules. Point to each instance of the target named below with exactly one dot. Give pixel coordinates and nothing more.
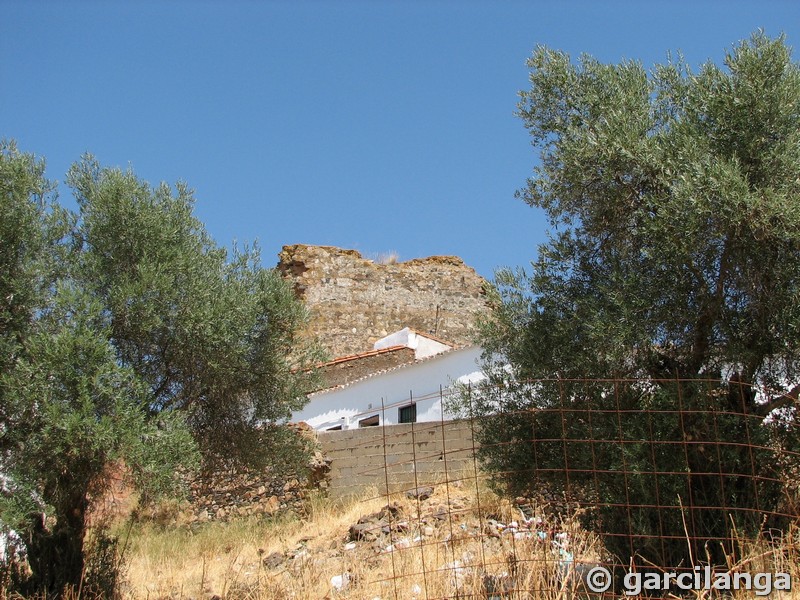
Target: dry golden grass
(432, 557)
(457, 559)
(443, 547)
(386, 258)
(226, 558)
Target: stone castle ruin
(355, 301)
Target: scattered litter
(340, 582)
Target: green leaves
(674, 199)
(129, 337)
(82, 410)
(31, 232)
(673, 191)
(210, 335)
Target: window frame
(412, 408)
(368, 421)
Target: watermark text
(599, 580)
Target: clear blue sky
(370, 125)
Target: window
(372, 421)
(407, 414)
(336, 428)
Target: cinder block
(406, 453)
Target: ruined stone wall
(222, 494)
(355, 301)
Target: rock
(498, 586)
(441, 514)
(420, 493)
(340, 582)
(365, 531)
(273, 561)
(390, 511)
(272, 505)
(492, 529)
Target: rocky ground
(429, 543)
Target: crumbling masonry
(355, 301)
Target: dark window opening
(407, 414)
(336, 428)
(372, 421)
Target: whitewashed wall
(392, 390)
(423, 346)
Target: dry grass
(424, 556)
(226, 559)
(455, 555)
(391, 257)
(445, 546)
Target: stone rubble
(239, 492)
(391, 530)
(467, 544)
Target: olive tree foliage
(212, 335)
(77, 411)
(68, 408)
(674, 253)
(128, 336)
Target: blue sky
(379, 126)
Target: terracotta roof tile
(360, 355)
(389, 369)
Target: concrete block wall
(404, 455)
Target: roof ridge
(434, 338)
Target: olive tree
(213, 335)
(673, 261)
(128, 336)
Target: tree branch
(782, 401)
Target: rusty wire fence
(579, 488)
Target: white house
(407, 391)
(423, 344)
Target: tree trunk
(56, 557)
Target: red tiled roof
(367, 354)
(389, 369)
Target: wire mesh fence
(576, 488)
